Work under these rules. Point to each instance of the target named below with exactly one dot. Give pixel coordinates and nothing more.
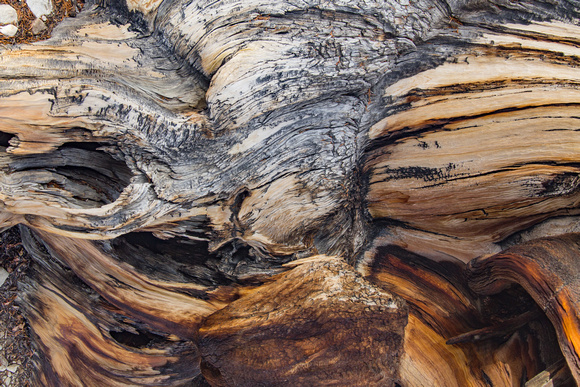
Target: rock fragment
(3, 276)
(40, 7)
(8, 14)
(38, 26)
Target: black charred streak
(114, 282)
(426, 145)
(63, 227)
(486, 378)
(423, 144)
(422, 173)
(73, 99)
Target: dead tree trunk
(299, 192)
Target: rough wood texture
(499, 118)
(84, 340)
(548, 270)
(454, 337)
(203, 184)
(334, 328)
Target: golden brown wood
(317, 324)
(442, 308)
(86, 341)
(548, 270)
(202, 185)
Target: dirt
(16, 350)
(62, 9)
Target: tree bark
(299, 193)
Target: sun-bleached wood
(201, 183)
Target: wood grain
(84, 340)
(492, 120)
(442, 307)
(547, 269)
(212, 178)
(317, 324)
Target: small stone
(8, 380)
(9, 30)
(38, 26)
(12, 368)
(3, 364)
(3, 273)
(40, 7)
(8, 14)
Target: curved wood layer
(442, 309)
(548, 270)
(83, 340)
(178, 156)
(500, 117)
(317, 324)
(175, 306)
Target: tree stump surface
(313, 193)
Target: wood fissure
(317, 192)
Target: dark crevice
(89, 146)
(190, 261)
(100, 188)
(184, 260)
(236, 207)
(180, 250)
(141, 339)
(81, 170)
(5, 139)
(244, 264)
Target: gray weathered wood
(178, 157)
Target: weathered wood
(442, 308)
(548, 270)
(501, 118)
(554, 376)
(83, 340)
(201, 181)
(317, 324)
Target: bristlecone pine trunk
(300, 193)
